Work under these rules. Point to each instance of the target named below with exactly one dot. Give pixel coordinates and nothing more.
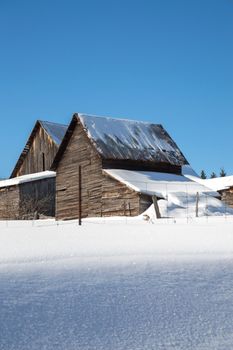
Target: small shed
(27, 197)
(223, 185)
(40, 149)
(227, 196)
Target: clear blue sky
(166, 61)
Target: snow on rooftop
(55, 130)
(27, 178)
(216, 184)
(188, 170)
(131, 139)
(159, 184)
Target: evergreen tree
(203, 174)
(213, 175)
(222, 172)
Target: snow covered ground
(117, 284)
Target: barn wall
(227, 197)
(79, 151)
(101, 194)
(33, 161)
(118, 199)
(9, 203)
(24, 200)
(37, 197)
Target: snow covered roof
(216, 184)
(159, 184)
(124, 139)
(54, 130)
(27, 178)
(188, 170)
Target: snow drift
(20, 241)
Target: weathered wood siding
(79, 151)
(9, 203)
(40, 155)
(101, 194)
(227, 197)
(25, 200)
(118, 199)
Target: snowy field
(117, 284)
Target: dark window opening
(43, 161)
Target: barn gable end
(40, 149)
(78, 152)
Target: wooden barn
(102, 161)
(40, 149)
(224, 185)
(30, 191)
(227, 195)
(28, 196)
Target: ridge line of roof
(46, 121)
(78, 114)
(43, 125)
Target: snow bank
(181, 205)
(97, 238)
(106, 286)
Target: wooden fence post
(80, 195)
(155, 201)
(129, 209)
(197, 203)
